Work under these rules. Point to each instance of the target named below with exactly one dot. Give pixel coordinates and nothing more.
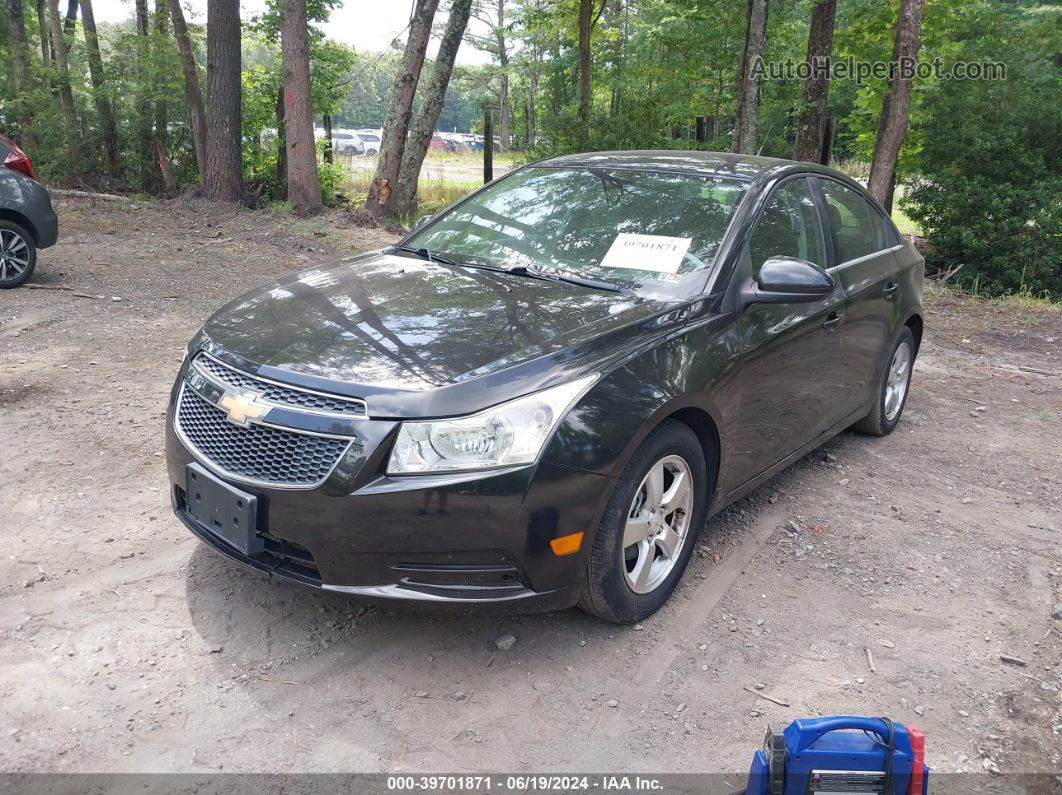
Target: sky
(366, 25)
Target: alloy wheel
(657, 524)
(897, 380)
(14, 255)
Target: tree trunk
(168, 183)
(404, 200)
(811, 126)
(585, 11)
(144, 151)
(533, 76)
(43, 28)
(192, 92)
(66, 94)
(161, 110)
(748, 94)
(304, 184)
(329, 155)
(69, 22)
(503, 90)
(400, 109)
(17, 43)
(892, 127)
(224, 177)
(103, 103)
(282, 147)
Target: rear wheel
(649, 527)
(893, 389)
(18, 254)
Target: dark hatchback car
(27, 220)
(539, 396)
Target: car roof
(720, 164)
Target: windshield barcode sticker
(657, 253)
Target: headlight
(506, 435)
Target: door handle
(890, 290)
(833, 321)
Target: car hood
(385, 326)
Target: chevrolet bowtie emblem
(242, 409)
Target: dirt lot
(127, 646)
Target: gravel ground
(127, 646)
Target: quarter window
(856, 227)
(788, 227)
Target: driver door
(791, 352)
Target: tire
(888, 408)
(621, 584)
(18, 255)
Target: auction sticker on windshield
(646, 252)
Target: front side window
(645, 229)
(856, 227)
(788, 227)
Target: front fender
(694, 368)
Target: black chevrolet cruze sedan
(537, 398)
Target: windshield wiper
(423, 253)
(549, 276)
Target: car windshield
(642, 229)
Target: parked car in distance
(347, 142)
(537, 397)
(476, 145)
(27, 221)
(371, 140)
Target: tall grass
(432, 193)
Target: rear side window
(788, 227)
(856, 227)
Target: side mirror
(421, 222)
(787, 280)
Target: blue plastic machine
(853, 755)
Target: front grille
(258, 452)
(278, 393)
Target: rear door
(792, 351)
(863, 260)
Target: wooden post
(488, 147)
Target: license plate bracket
(227, 512)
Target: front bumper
(483, 540)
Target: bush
(991, 175)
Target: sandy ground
(125, 645)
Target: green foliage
(988, 192)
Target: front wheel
(892, 391)
(18, 254)
(649, 527)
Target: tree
(892, 126)
(224, 181)
(108, 125)
(431, 103)
(145, 156)
(192, 92)
(304, 185)
(66, 93)
(746, 123)
(400, 109)
(491, 13)
(588, 19)
(161, 115)
(811, 126)
(986, 194)
(16, 36)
